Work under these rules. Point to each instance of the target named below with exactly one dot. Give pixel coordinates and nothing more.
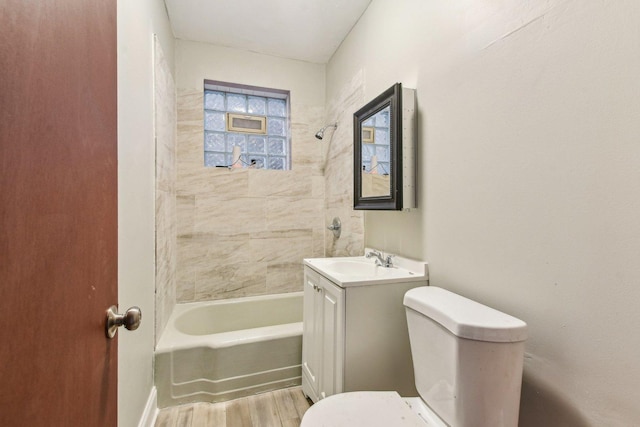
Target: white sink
(360, 271)
(356, 268)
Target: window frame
(247, 90)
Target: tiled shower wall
(338, 171)
(166, 220)
(245, 232)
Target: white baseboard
(150, 413)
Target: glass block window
(265, 142)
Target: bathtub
(222, 350)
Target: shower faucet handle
(336, 227)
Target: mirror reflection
(376, 154)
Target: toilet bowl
(467, 361)
(371, 409)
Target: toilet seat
(362, 409)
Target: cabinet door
(331, 379)
(311, 334)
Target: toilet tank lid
(465, 318)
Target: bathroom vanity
(354, 325)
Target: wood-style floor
(279, 408)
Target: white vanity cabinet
(323, 336)
(355, 335)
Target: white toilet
(467, 360)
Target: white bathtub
(222, 350)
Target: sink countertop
(366, 272)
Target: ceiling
(308, 30)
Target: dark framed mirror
(377, 154)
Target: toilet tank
(467, 358)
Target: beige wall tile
(185, 211)
(205, 182)
(166, 211)
(319, 242)
(229, 214)
(265, 183)
(292, 213)
(282, 246)
(222, 281)
(185, 291)
(317, 187)
(284, 277)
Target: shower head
(320, 133)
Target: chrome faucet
(380, 261)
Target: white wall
(198, 61)
(529, 184)
(137, 22)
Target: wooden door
(58, 212)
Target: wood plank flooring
(279, 408)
